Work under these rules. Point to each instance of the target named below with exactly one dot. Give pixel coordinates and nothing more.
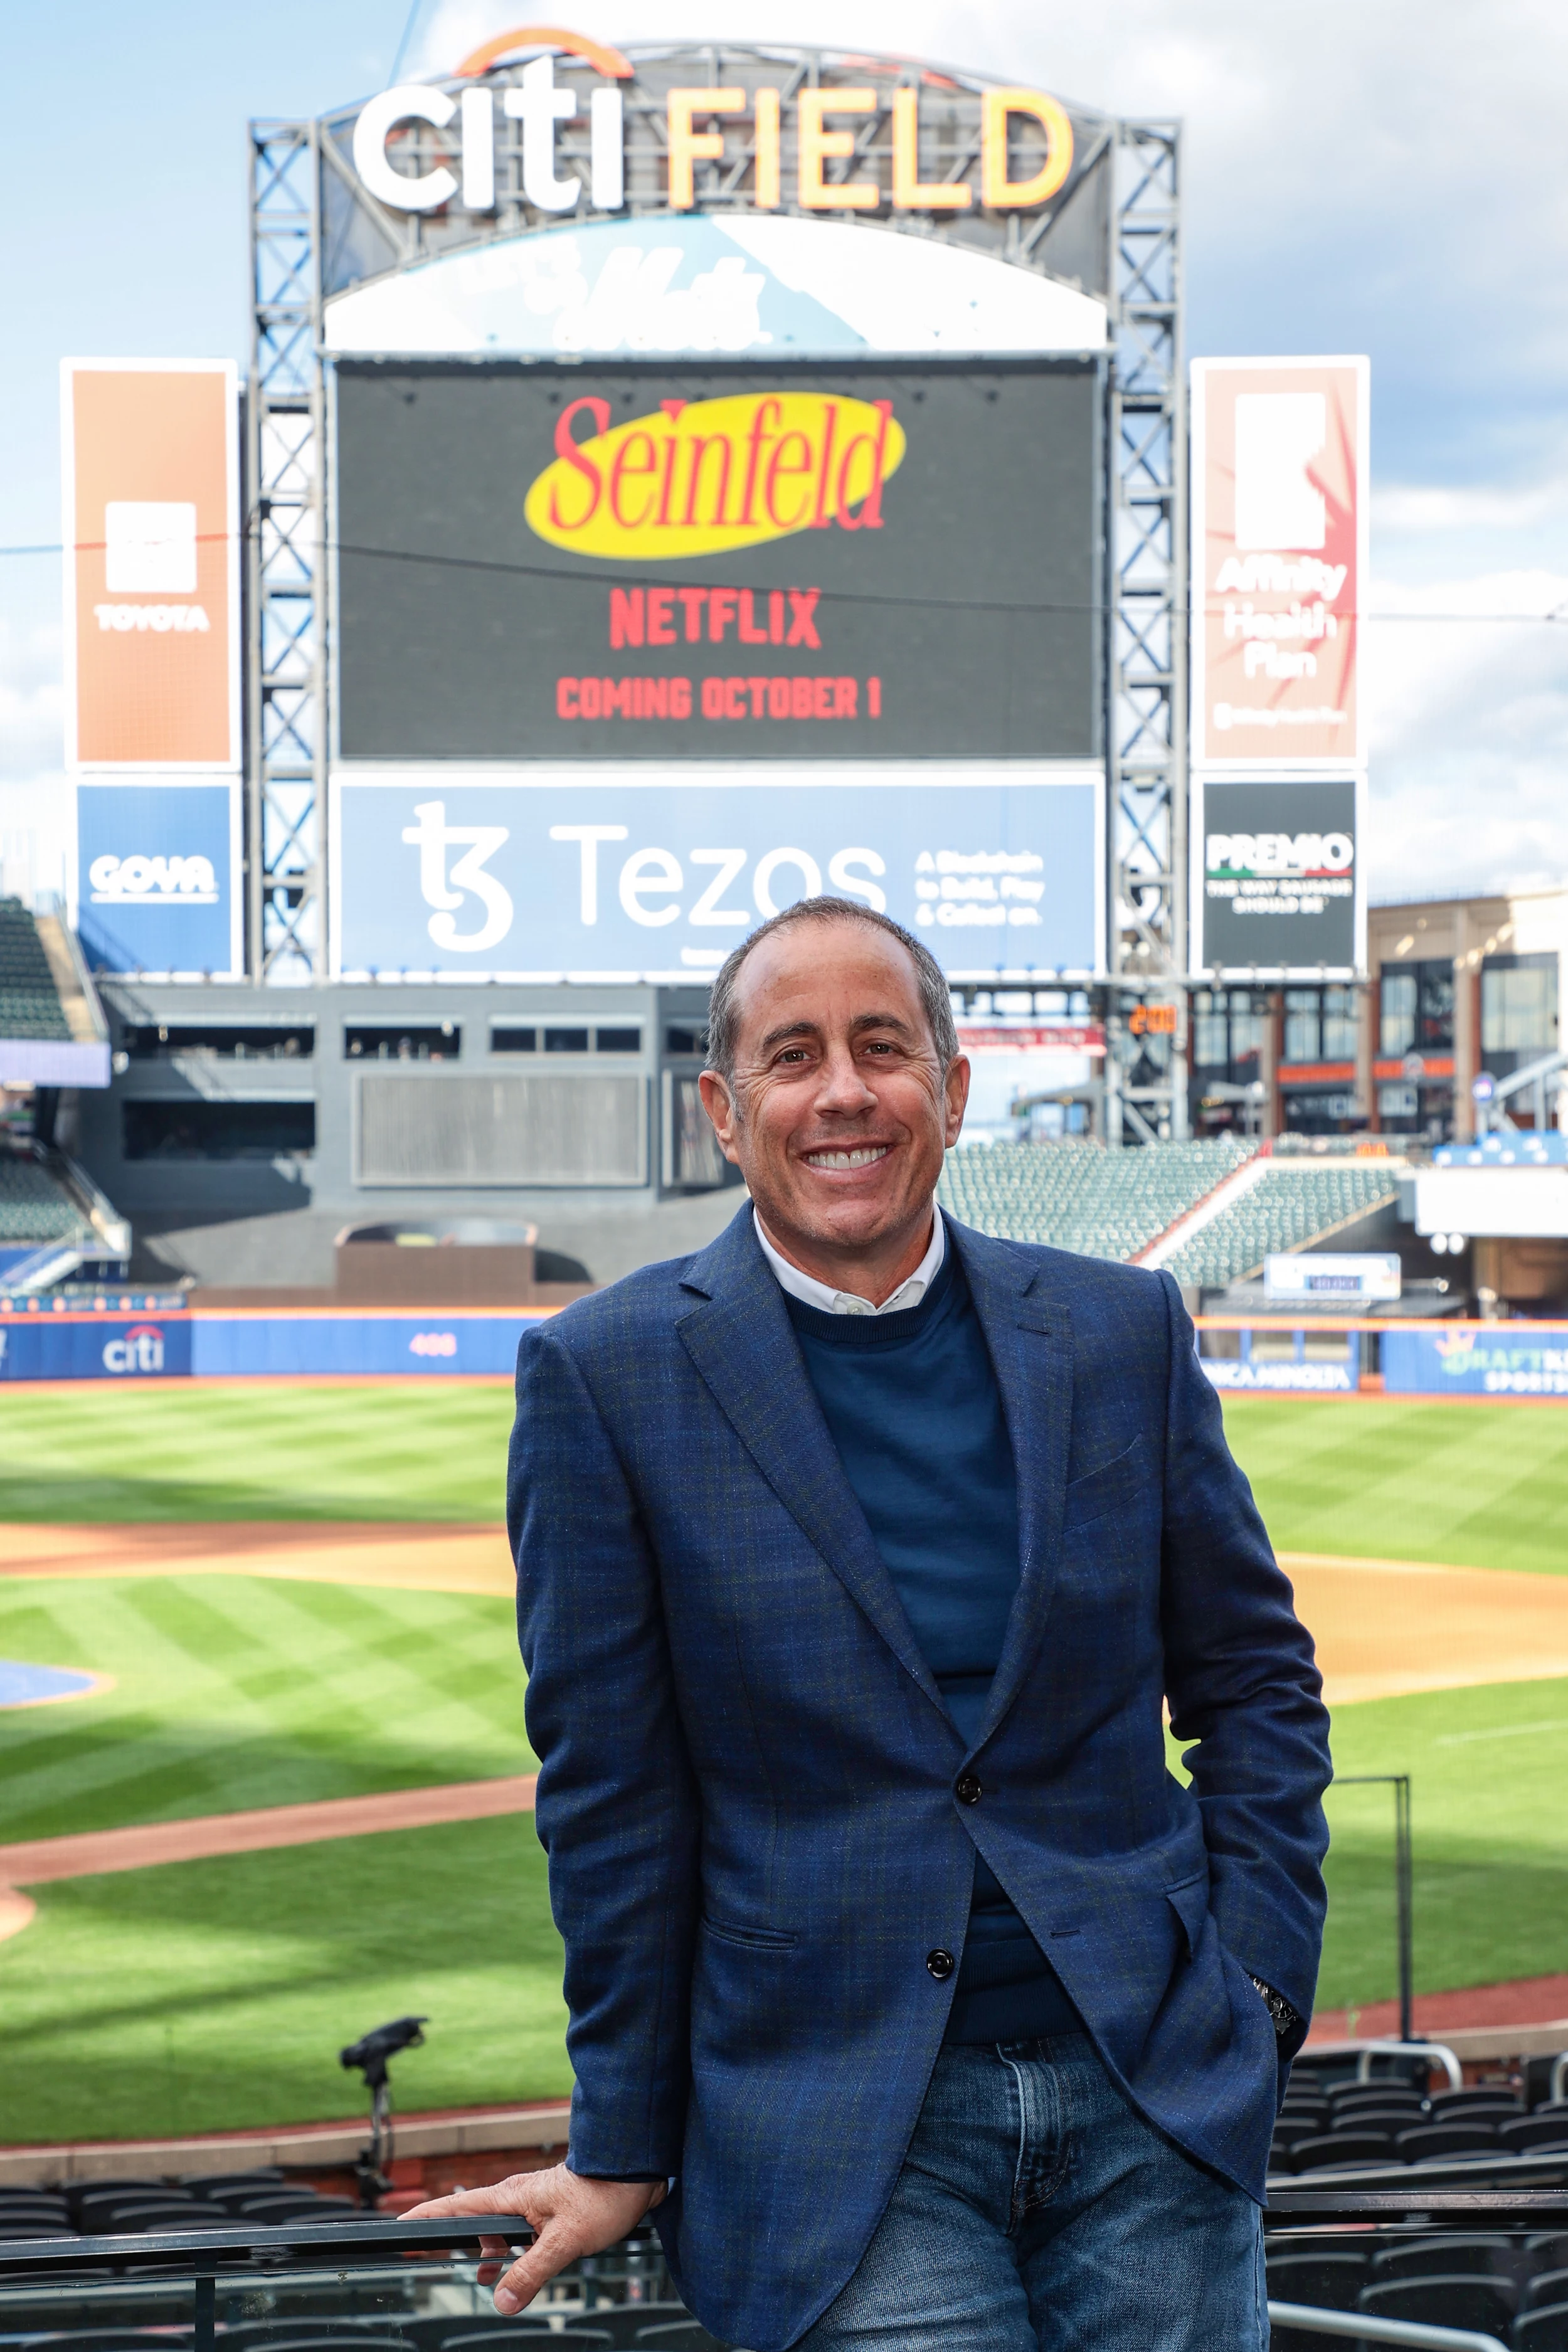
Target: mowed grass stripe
(233, 1692)
(1488, 1767)
(1472, 1486)
(204, 1996)
(263, 1450)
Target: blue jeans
(1037, 2212)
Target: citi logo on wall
(140, 1350)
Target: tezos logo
(153, 881)
(141, 1351)
(433, 836)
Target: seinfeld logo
(703, 477)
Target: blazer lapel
(739, 1337)
(1030, 1341)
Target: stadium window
(1396, 1017)
(1518, 1004)
(618, 1041)
(403, 1042)
(217, 1130)
(1247, 1015)
(1434, 1016)
(156, 1040)
(1211, 1038)
(1303, 1025)
(1338, 1025)
(566, 1041)
(686, 1041)
(504, 1039)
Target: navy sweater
(913, 1406)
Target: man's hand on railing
(569, 2217)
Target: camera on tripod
(370, 2054)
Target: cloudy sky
(1363, 175)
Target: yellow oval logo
(701, 477)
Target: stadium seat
(1079, 1196)
(1546, 2287)
(1547, 2250)
(126, 2218)
(18, 2205)
(29, 1002)
(1291, 1202)
(1447, 2105)
(1392, 2120)
(326, 2337)
(1446, 2299)
(1475, 2138)
(431, 2331)
(270, 2205)
(626, 2322)
(1529, 2133)
(310, 2327)
(680, 2335)
(77, 2192)
(1541, 2331)
(1331, 2279)
(1343, 2147)
(576, 2338)
(1487, 2257)
(218, 2184)
(1382, 2099)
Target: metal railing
(228, 2257)
(1311, 2321)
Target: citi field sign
(758, 145)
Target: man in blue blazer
(856, 1555)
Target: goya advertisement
(551, 872)
(158, 876)
(594, 562)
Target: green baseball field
(207, 1993)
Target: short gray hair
(723, 1008)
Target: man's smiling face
(840, 1110)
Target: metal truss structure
(1115, 230)
(1146, 699)
(285, 766)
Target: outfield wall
(159, 1338)
(165, 1341)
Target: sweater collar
(828, 1301)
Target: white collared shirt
(812, 1293)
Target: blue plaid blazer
(747, 1770)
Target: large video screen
(735, 563)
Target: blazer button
(939, 1963)
(968, 1790)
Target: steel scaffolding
(315, 231)
(1146, 686)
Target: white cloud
(32, 699)
(1468, 727)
